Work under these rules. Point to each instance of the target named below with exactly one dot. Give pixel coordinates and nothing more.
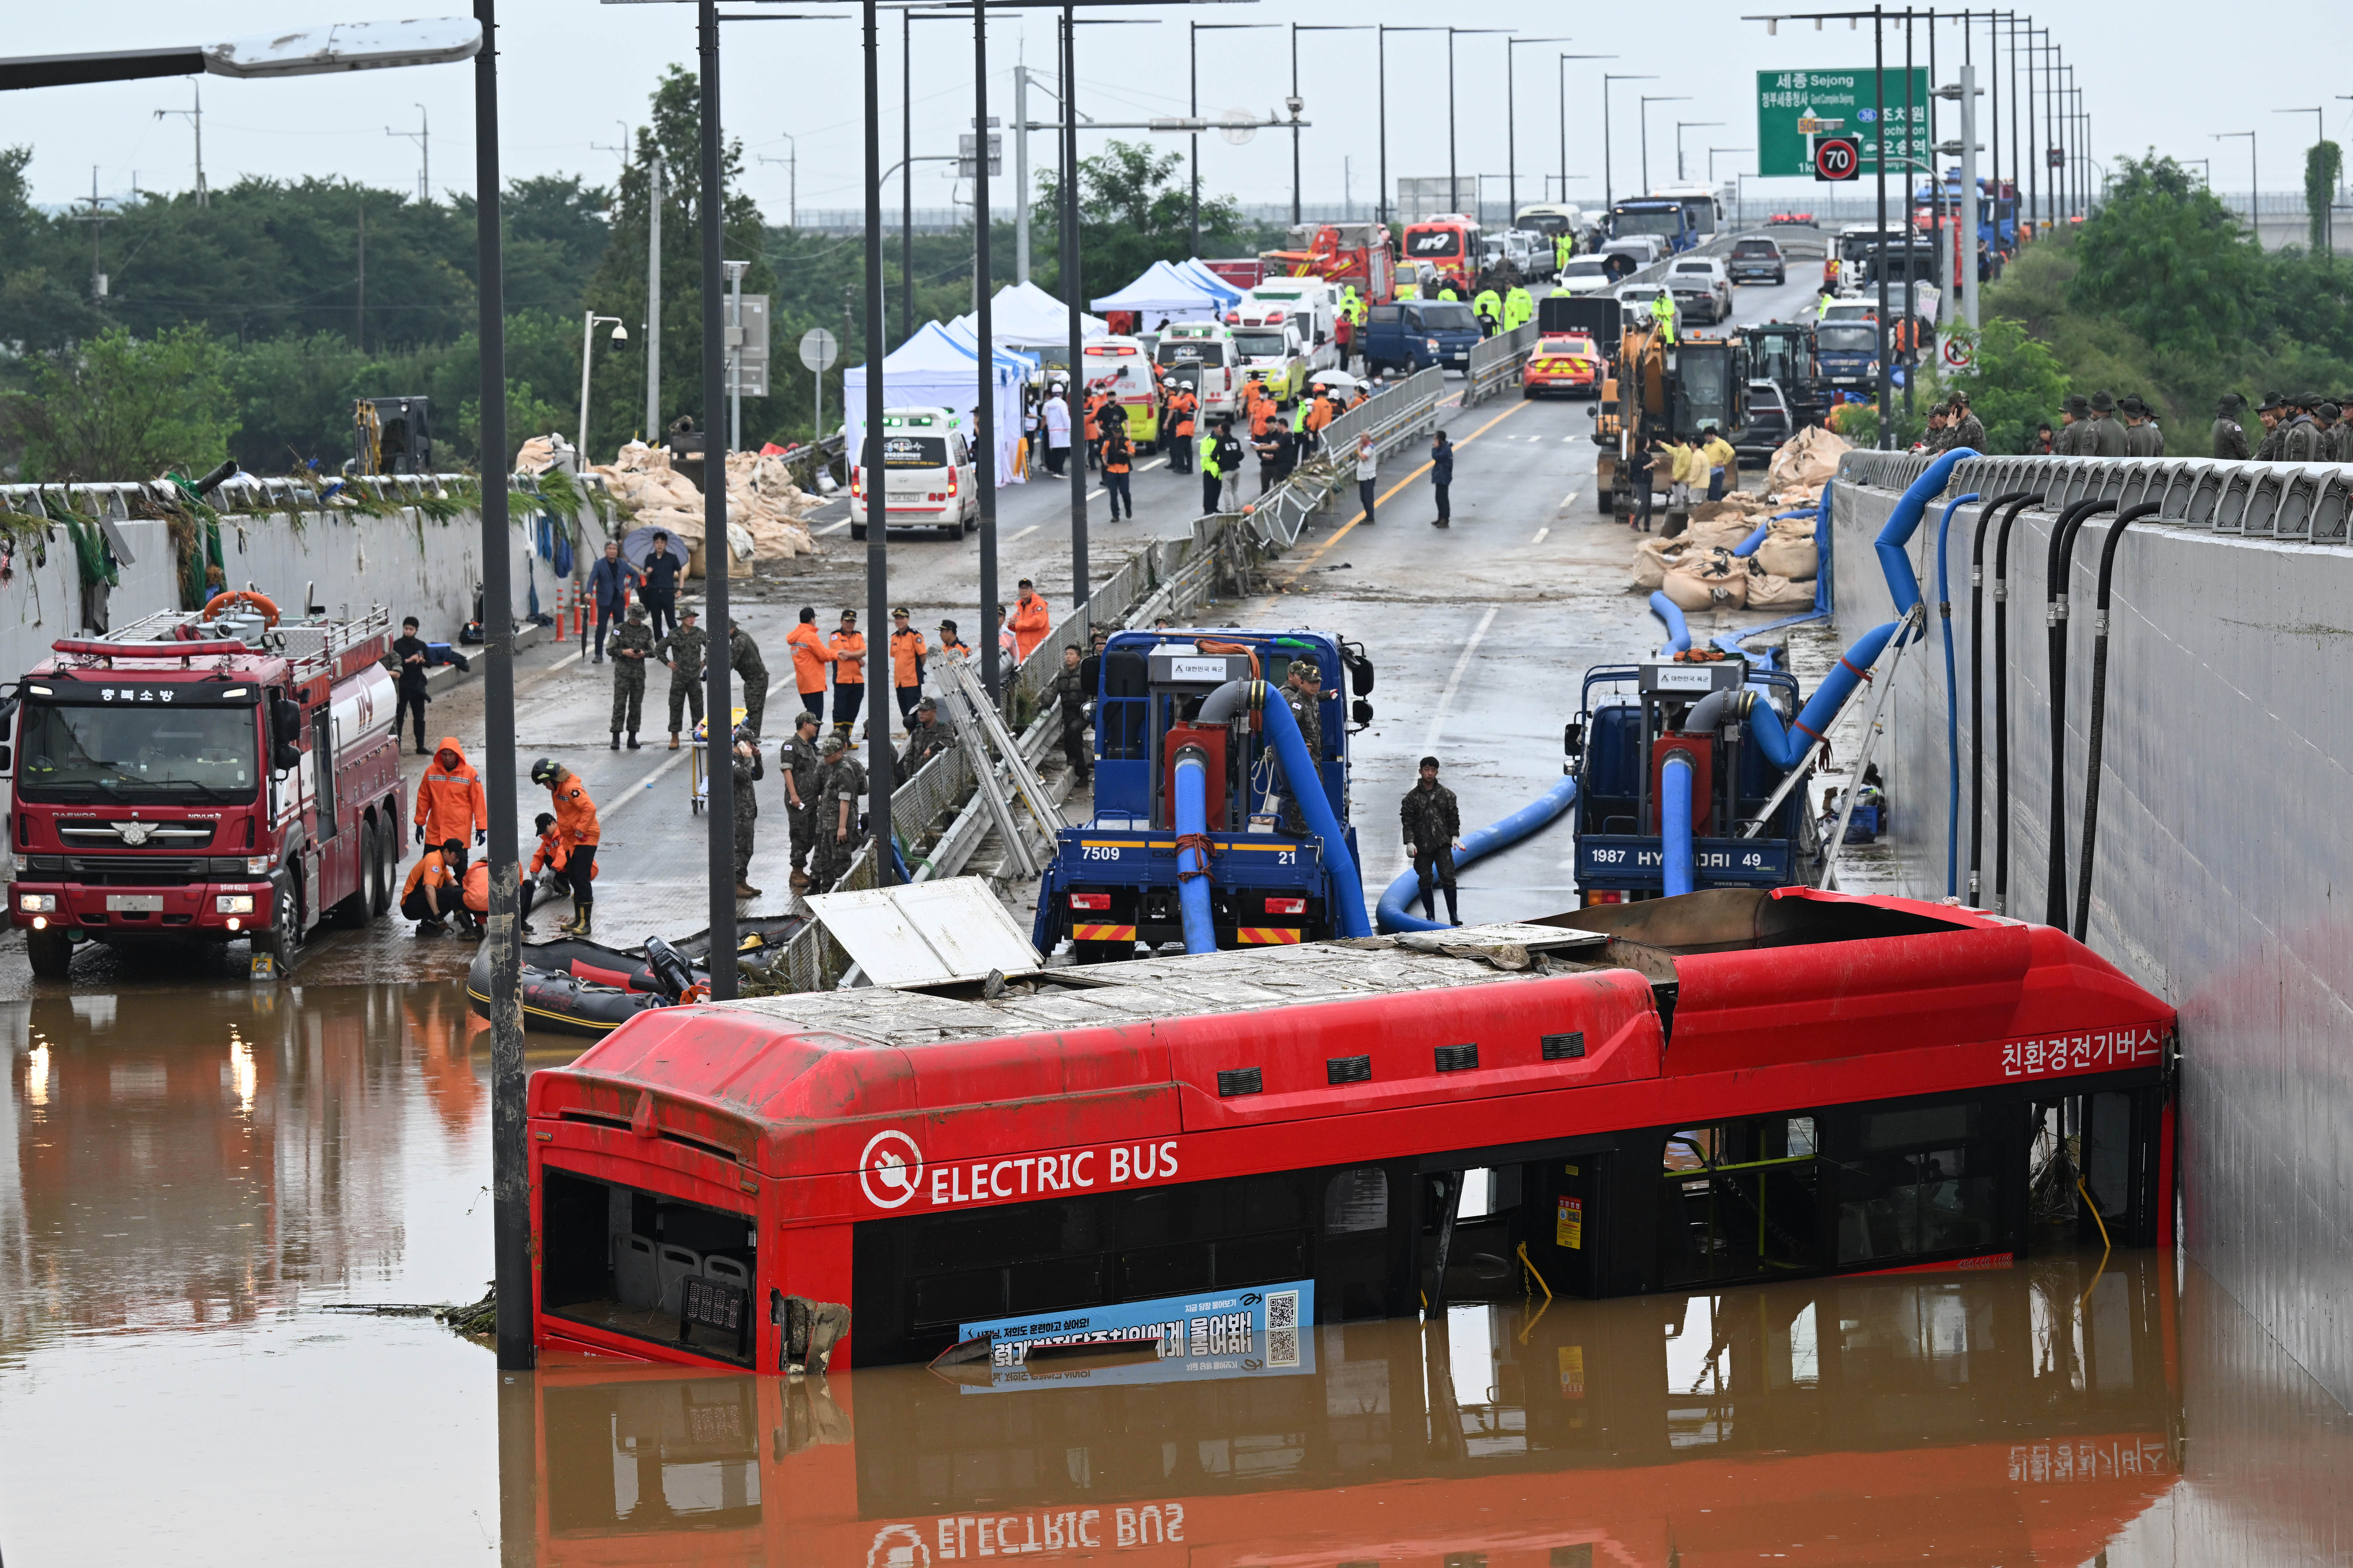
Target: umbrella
(1339, 378)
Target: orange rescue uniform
(449, 801)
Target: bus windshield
(147, 753)
(1668, 222)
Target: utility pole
(1512, 127)
(423, 137)
(359, 314)
(654, 311)
(98, 217)
(196, 117)
(1022, 200)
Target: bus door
(1739, 1200)
(1560, 1223)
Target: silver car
(1703, 288)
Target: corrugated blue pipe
(1282, 731)
(1952, 697)
(1396, 902)
(1675, 820)
(1747, 546)
(1193, 816)
(1670, 613)
(1787, 747)
(1823, 589)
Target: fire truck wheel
(354, 913)
(388, 862)
(51, 952)
(281, 940)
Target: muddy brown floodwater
(202, 1178)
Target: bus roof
(1159, 1048)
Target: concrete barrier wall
(2224, 868)
(410, 564)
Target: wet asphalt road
(1480, 635)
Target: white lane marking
(1011, 537)
(1155, 463)
(1095, 494)
(833, 528)
(1539, 539)
(1569, 438)
(646, 783)
(1566, 501)
(1454, 681)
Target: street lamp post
(1382, 69)
(1296, 105)
(1512, 123)
(1560, 83)
(2254, 190)
(588, 337)
(1682, 126)
(1193, 198)
(1740, 200)
(1608, 185)
(1648, 99)
(1453, 180)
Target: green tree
(1133, 211)
(2165, 259)
(123, 407)
(617, 404)
(2324, 161)
(2017, 385)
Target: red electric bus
(1730, 1086)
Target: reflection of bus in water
(2018, 1415)
(1880, 1083)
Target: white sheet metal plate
(928, 933)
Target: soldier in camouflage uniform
(629, 647)
(2299, 433)
(841, 784)
(1433, 826)
(682, 651)
(927, 738)
(802, 763)
(748, 771)
(1967, 429)
(743, 658)
(2076, 429)
(2273, 414)
(2144, 438)
(1070, 694)
(2332, 432)
(2105, 435)
(2230, 437)
(1302, 693)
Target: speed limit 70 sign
(1837, 158)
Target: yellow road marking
(1317, 553)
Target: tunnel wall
(2224, 870)
(411, 565)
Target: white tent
(1164, 293)
(1023, 315)
(1198, 272)
(932, 370)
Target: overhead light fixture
(346, 46)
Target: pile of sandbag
(1788, 550)
(764, 507)
(1802, 465)
(1739, 504)
(540, 453)
(1655, 557)
(1716, 579)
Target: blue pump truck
(1669, 740)
(1190, 841)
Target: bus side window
(1356, 1200)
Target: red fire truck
(1351, 255)
(1726, 1087)
(203, 776)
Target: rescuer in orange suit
(1182, 405)
(450, 805)
(1031, 621)
(575, 825)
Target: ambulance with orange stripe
(1191, 787)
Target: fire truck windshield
(73, 753)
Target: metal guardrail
(1278, 517)
(244, 494)
(2305, 502)
(1496, 361)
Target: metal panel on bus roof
(927, 934)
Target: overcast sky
(573, 70)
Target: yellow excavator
(1659, 390)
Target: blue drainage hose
(1671, 615)
(1675, 821)
(1192, 816)
(1476, 844)
(1298, 769)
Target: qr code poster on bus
(1261, 1331)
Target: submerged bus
(1731, 1086)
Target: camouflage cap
(834, 743)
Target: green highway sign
(1796, 109)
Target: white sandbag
(1769, 592)
(1653, 559)
(1712, 585)
(1783, 556)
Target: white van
(1201, 355)
(1312, 305)
(927, 464)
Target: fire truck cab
(205, 776)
